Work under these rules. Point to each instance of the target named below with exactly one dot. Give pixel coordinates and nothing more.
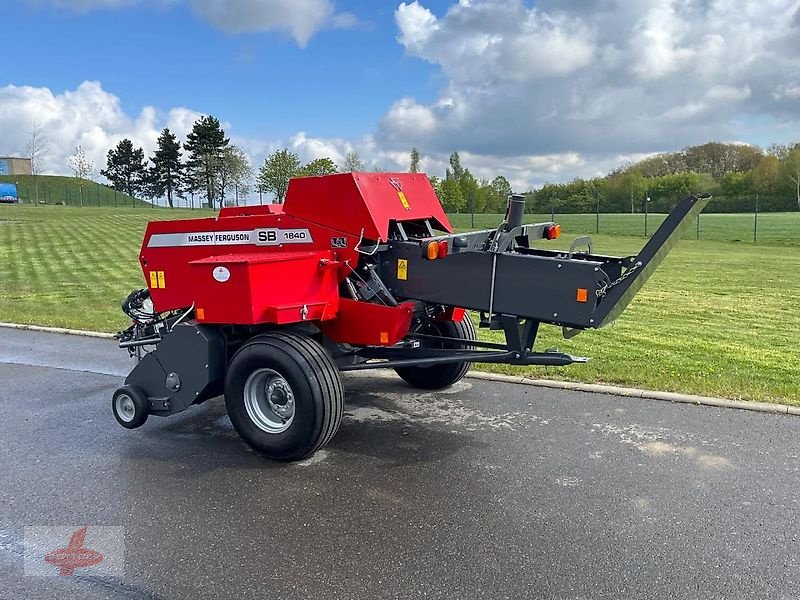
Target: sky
(537, 91)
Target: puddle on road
(443, 407)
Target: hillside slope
(56, 189)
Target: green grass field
(717, 318)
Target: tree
(36, 149)
(235, 172)
(166, 175)
(317, 167)
(205, 144)
(278, 168)
(436, 184)
(82, 167)
(766, 176)
(469, 192)
(634, 185)
(414, 167)
(501, 185)
(456, 170)
(791, 166)
(126, 168)
(450, 196)
(353, 163)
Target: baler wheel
(130, 407)
(437, 377)
(284, 395)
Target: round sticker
(222, 274)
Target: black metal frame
(518, 350)
(516, 288)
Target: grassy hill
(55, 189)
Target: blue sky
(338, 85)
(543, 91)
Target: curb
(93, 334)
(595, 388)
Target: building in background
(11, 165)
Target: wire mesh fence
(763, 228)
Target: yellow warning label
(403, 199)
(157, 280)
(402, 269)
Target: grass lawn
(717, 318)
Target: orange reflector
(384, 337)
(443, 248)
(200, 313)
(582, 295)
(432, 251)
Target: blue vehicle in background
(8, 193)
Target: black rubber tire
(437, 377)
(315, 382)
(140, 405)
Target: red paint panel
(186, 285)
(349, 202)
(366, 324)
(279, 288)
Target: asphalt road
(487, 491)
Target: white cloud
(597, 79)
(88, 116)
(301, 19)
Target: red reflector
(552, 232)
(443, 248)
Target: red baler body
(280, 264)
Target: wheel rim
(125, 407)
(269, 401)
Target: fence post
(697, 237)
(472, 210)
(646, 210)
(597, 223)
(755, 223)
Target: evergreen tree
(414, 168)
(126, 168)
(206, 143)
(455, 166)
(274, 175)
(166, 173)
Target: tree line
(207, 165)
(735, 174)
